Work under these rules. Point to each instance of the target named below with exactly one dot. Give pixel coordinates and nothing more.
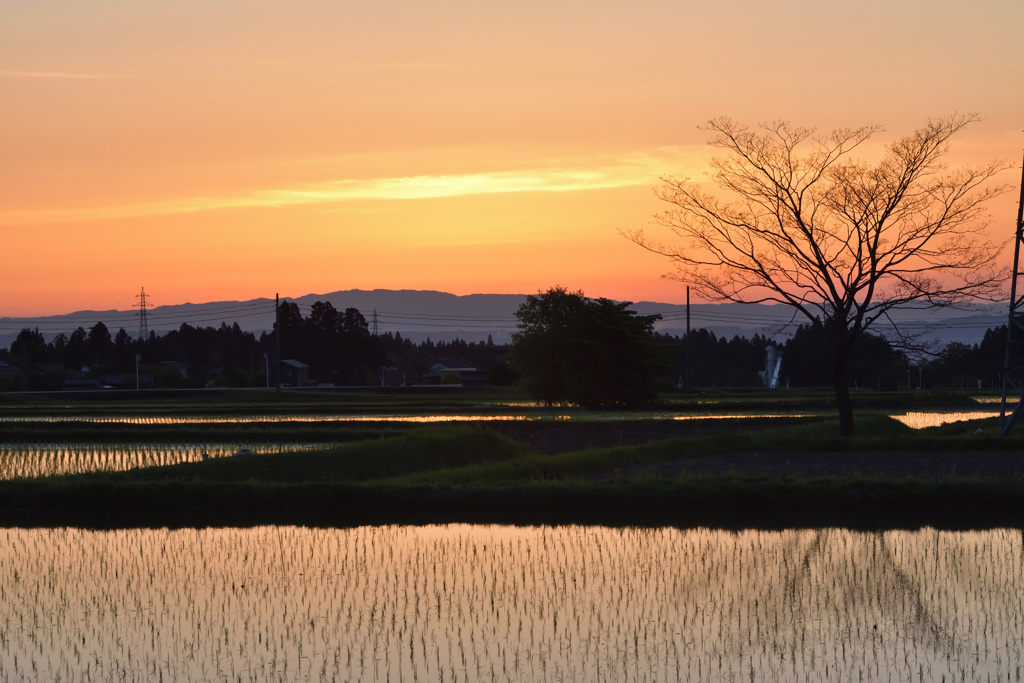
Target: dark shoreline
(719, 502)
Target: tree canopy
(793, 219)
(590, 352)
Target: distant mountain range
(419, 315)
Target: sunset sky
(218, 150)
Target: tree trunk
(843, 403)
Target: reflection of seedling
(576, 603)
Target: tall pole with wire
(1012, 375)
(686, 368)
(277, 342)
(142, 306)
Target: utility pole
(1013, 375)
(375, 322)
(276, 341)
(686, 369)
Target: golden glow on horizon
(230, 150)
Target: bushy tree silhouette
(590, 352)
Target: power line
(120, 317)
(124, 316)
(175, 321)
(396, 319)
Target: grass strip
(471, 473)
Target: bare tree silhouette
(839, 240)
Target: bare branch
(797, 220)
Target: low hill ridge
(422, 314)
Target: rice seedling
(476, 603)
(27, 460)
(924, 419)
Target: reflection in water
(920, 420)
(468, 603)
(420, 418)
(725, 416)
(244, 419)
(42, 460)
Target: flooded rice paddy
(40, 460)
(605, 416)
(923, 419)
(914, 419)
(498, 603)
(245, 419)
(35, 459)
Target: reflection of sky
(920, 420)
(306, 417)
(40, 460)
(916, 420)
(482, 603)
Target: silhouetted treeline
(716, 361)
(965, 365)
(807, 361)
(415, 361)
(336, 346)
(339, 349)
(186, 357)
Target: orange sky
(231, 150)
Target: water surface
(496, 603)
(934, 418)
(48, 459)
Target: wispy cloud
(9, 73)
(310, 65)
(439, 186)
(638, 169)
(416, 66)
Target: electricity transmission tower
(143, 323)
(1013, 369)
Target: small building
(294, 373)
(113, 381)
(80, 383)
(392, 377)
(441, 373)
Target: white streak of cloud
(7, 73)
(637, 170)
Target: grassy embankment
(387, 471)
